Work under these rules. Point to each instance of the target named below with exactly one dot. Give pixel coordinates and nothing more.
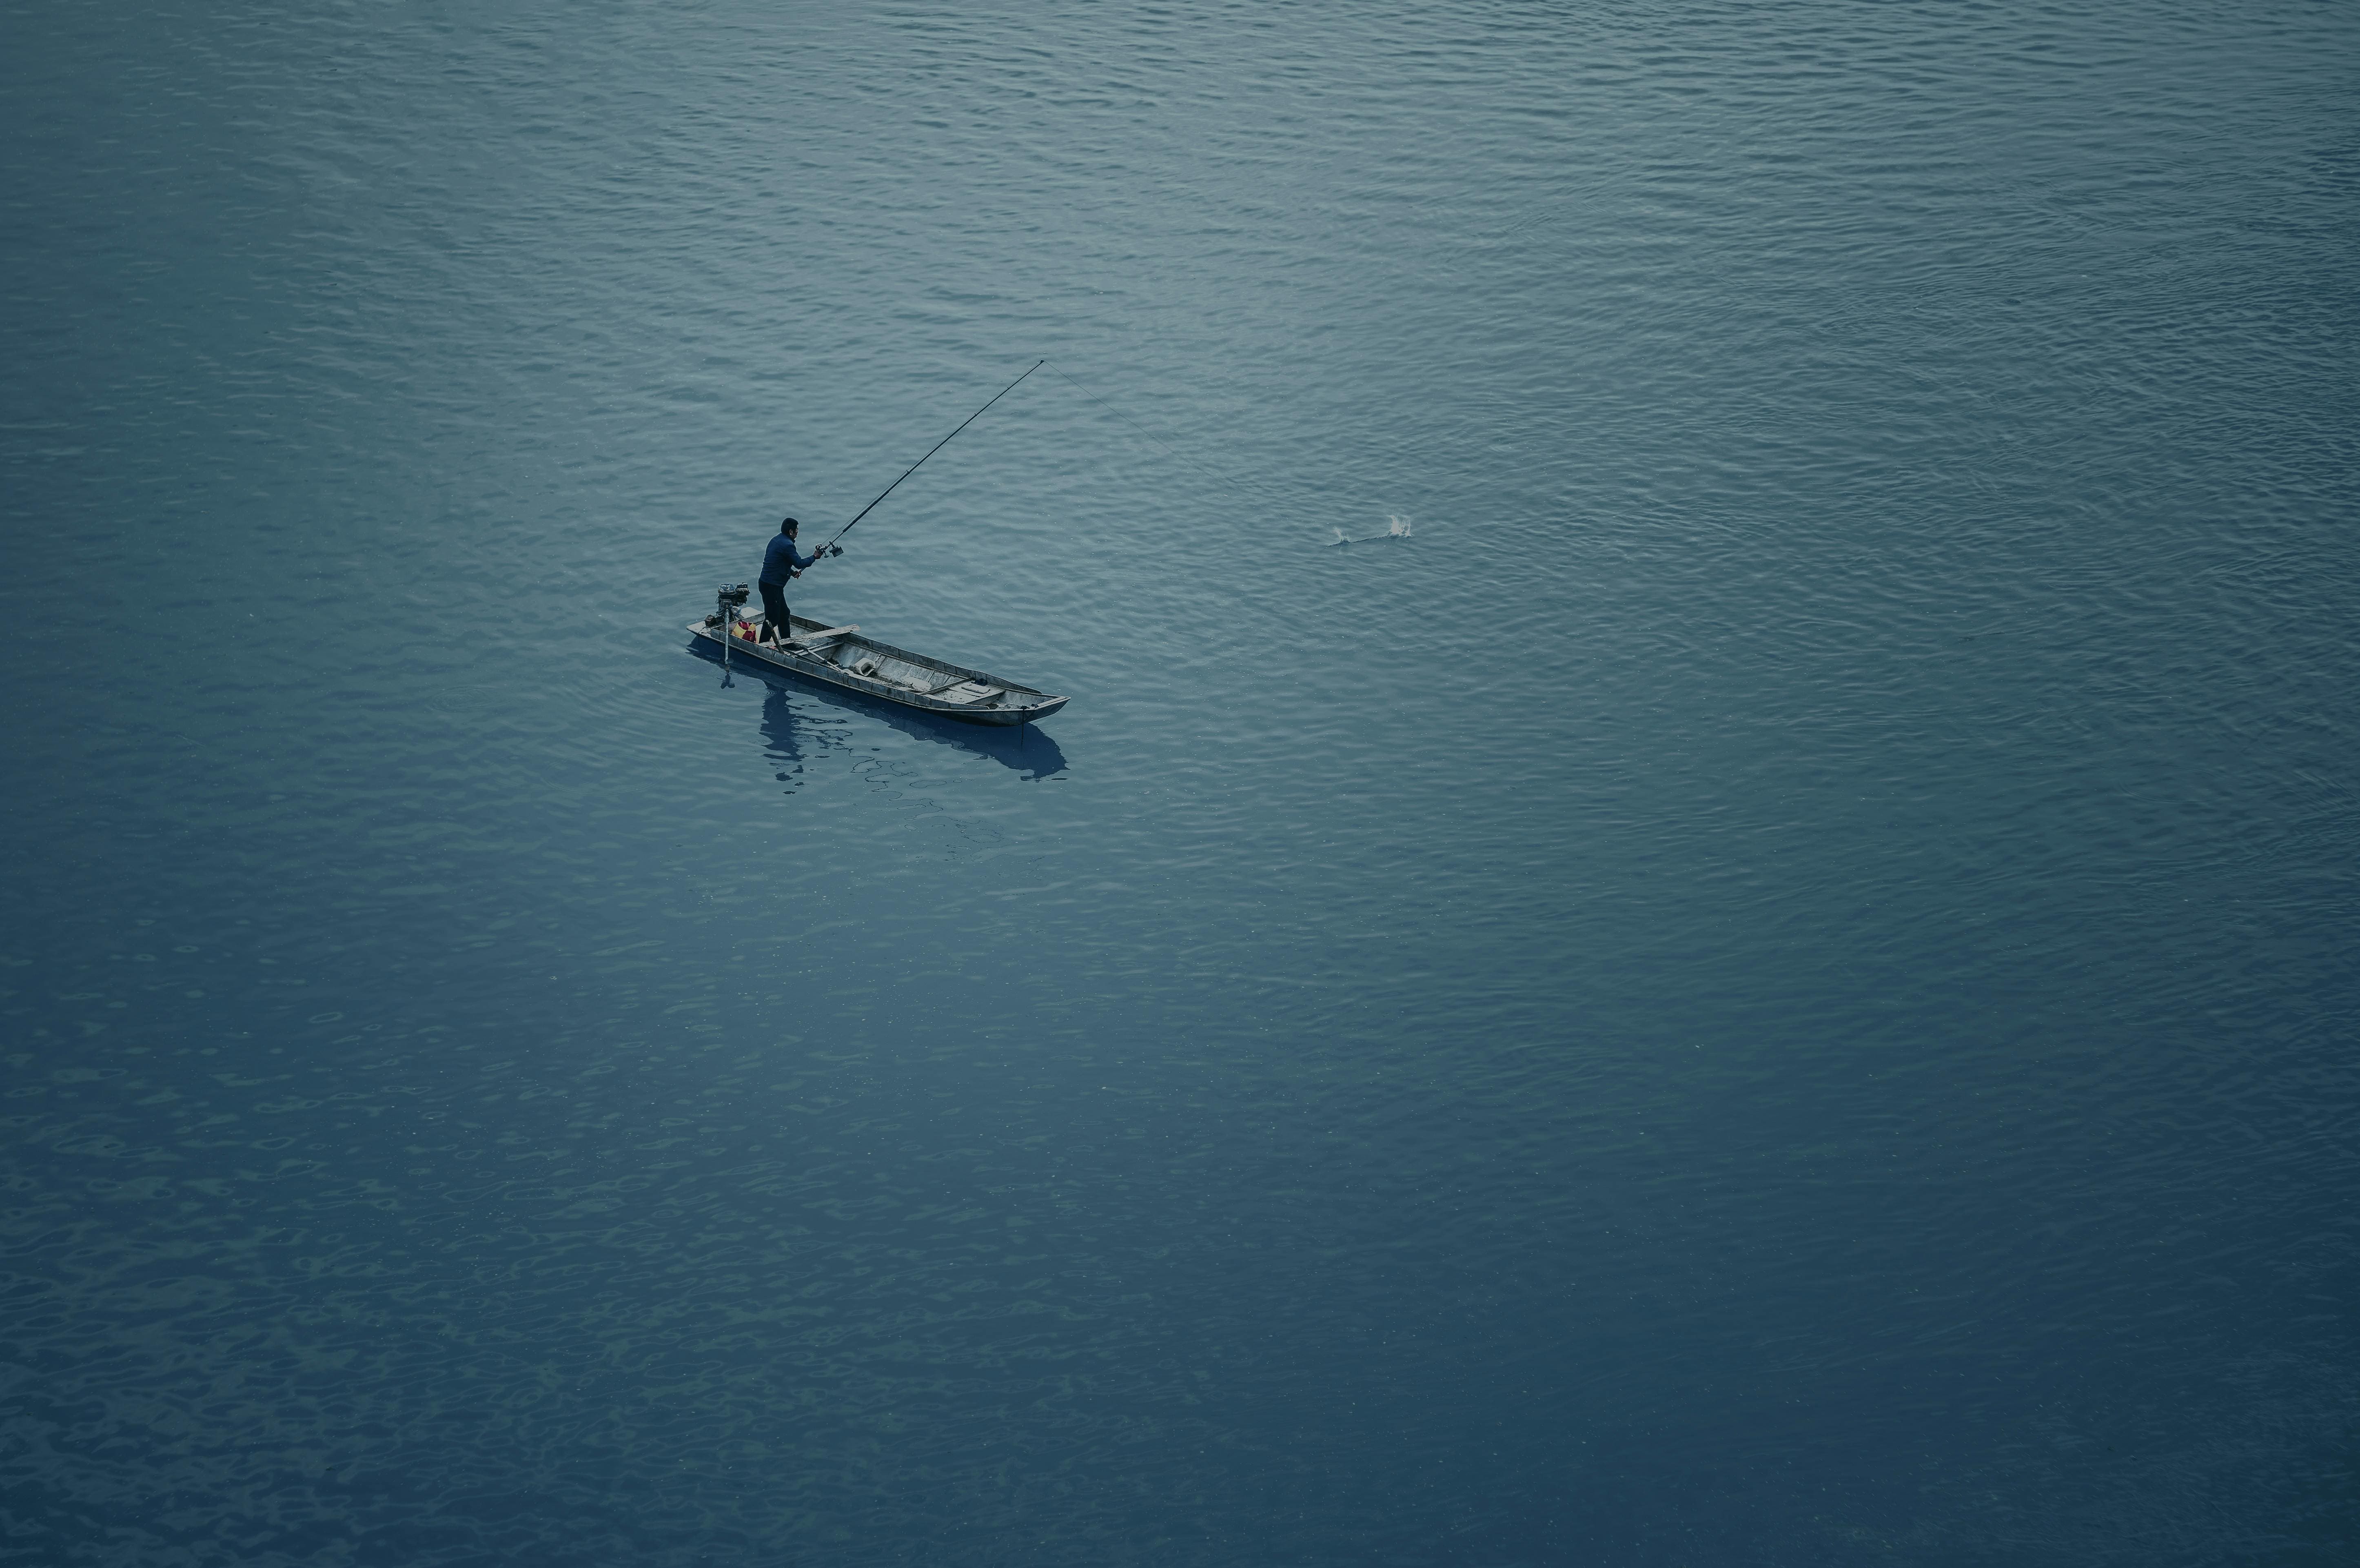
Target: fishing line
(1399, 526)
(1238, 489)
(1234, 487)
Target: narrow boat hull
(893, 675)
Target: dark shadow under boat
(1023, 747)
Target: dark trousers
(774, 611)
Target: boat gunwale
(1039, 706)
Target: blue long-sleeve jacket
(780, 561)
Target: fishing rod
(938, 446)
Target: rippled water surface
(1696, 904)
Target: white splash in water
(1396, 526)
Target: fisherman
(781, 563)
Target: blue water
(1758, 970)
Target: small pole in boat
(938, 446)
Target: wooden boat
(840, 656)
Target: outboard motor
(724, 621)
(732, 600)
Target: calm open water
(1761, 970)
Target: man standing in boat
(780, 565)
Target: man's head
(789, 527)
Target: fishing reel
(732, 600)
(831, 550)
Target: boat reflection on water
(787, 740)
(791, 736)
